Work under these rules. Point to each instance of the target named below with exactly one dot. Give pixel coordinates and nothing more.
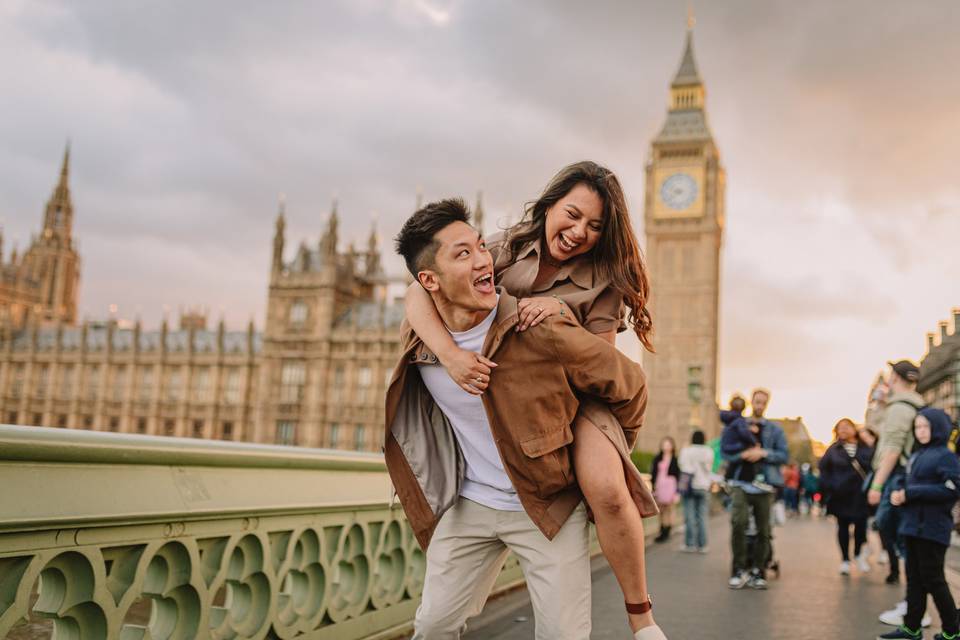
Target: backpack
(917, 409)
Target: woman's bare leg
(599, 470)
(666, 515)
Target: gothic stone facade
(315, 377)
(939, 382)
(684, 219)
(40, 285)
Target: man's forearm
(887, 463)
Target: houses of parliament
(315, 374)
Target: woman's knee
(607, 497)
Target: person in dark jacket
(843, 469)
(931, 487)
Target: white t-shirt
(485, 480)
(697, 459)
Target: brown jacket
(530, 403)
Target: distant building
(684, 220)
(40, 285)
(801, 446)
(939, 382)
(315, 376)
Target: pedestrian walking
(696, 465)
(889, 460)
(791, 488)
(665, 472)
(809, 487)
(931, 487)
(843, 469)
(889, 464)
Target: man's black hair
(416, 242)
(698, 437)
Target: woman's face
(666, 446)
(921, 430)
(845, 431)
(574, 223)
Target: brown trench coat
(599, 308)
(530, 403)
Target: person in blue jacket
(753, 475)
(931, 487)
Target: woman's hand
(898, 497)
(471, 371)
(533, 311)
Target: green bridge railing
(107, 536)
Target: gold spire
(478, 213)
(691, 18)
(65, 167)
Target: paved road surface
(810, 601)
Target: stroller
(771, 564)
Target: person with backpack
(931, 486)
(889, 464)
(843, 469)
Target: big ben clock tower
(684, 214)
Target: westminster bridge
(113, 536)
(106, 535)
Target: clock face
(678, 191)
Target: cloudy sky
(838, 125)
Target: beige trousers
(467, 552)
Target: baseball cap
(906, 370)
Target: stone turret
(478, 213)
(328, 243)
(279, 234)
(372, 259)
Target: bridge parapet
(137, 537)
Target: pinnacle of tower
(372, 259)
(329, 240)
(278, 236)
(478, 213)
(687, 74)
(65, 168)
(373, 240)
(61, 193)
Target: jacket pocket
(549, 464)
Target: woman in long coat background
(843, 469)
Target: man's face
(463, 269)
(759, 403)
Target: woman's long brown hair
(616, 257)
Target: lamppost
(695, 394)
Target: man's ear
(429, 281)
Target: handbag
(685, 484)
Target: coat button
(433, 358)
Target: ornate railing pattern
(135, 537)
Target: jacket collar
(505, 320)
(579, 270)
